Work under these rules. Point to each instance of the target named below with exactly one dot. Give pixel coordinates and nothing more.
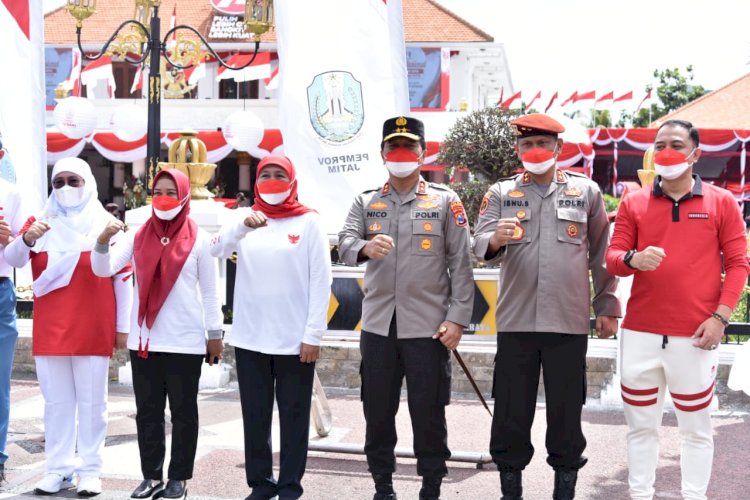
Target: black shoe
(430, 488)
(384, 487)
(3, 481)
(175, 489)
(565, 484)
(510, 485)
(148, 488)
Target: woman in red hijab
(176, 308)
(281, 292)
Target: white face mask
(167, 214)
(401, 162)
(670, 164)
(69, 196)
(275, 198)
(538, 160)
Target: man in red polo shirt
(676, 238)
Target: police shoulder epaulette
(437, 185)
(576, 174)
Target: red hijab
(158, 265)
(290, 207)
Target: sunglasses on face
(72, 181)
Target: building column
(243, 164)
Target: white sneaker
(89, 486)
(52, 483)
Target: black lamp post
(146, 42)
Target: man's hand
(708, 335)
(379, 247)
(504, 230)
(309, 353)
(648, 259)
(214, 348)
(121, 341)
(4, 232)
(606, 326)
(256, 220)
(449, 334)
(36, 231)
(112, 228)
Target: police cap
(536, 124)
(403, 126)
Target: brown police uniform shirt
(544, 274)
(427, 278)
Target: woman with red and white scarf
(76, 315)
(281, 294)
(177, 306)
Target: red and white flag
(172, 23)
(73, 83)
(98, 70)
(570, 99)
(272, 82)
(334, 96)
(585, 96)
(647, 97)
(604, 101)
(22, 94)
(137, 80)
(506, 104)
(627, 96)
(551, 101)
(195, 73)
(531, 103)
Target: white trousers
(689, 373)
(75, 412)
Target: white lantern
(75, 117)
(243, 130)
(129, 122)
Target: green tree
(483, 142)
(674, 91)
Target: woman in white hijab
(76, 317)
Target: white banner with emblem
(342, 70)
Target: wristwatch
(628, 257)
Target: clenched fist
(379, 247)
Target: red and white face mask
(538, 160)
(166, 207)
(670, 163)
(401, 162)
(274, 192)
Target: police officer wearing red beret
(419, 293)
(547, 228)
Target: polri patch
(426, 244)
(427, 226)
(521, 214)
(459, 214)
(375, 226)
(518, 232)
(574, 191)
(516, 194)
(485, 203)
(378, 205)
(572, 230)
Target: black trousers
(426, 365)
(260, 376)
(162, 376)
(516, 378)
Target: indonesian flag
(506, 104)
(272, 82)
(627, 96)
(551, 101)
(259, 69)
(101, 69)
(605, 100)
(570, 99)
(586, 96)
(172, 23)
(137, 80)
(73, 82)
(647, 97)
(335, 96)
(537, 96)
(195, 73)
(22, 94)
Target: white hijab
(72, 229)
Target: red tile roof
(726, 107)
(424, 21)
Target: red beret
(536, 124)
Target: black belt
(3, 279)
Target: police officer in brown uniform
(419, 292)
(547, 228)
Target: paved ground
(219, 471)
